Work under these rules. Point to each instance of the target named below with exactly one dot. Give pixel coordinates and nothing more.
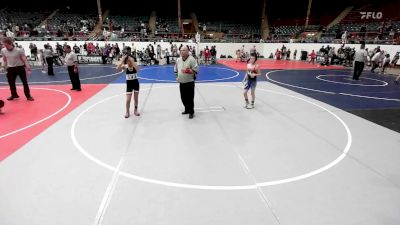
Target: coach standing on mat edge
(185, 71)
(71, 60)
(360, 58)
(15, 61)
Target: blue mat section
(340, 86)
(105, 74)
(165, 74)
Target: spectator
(206, 55)
(159, 52)
(271, 56)
(34, 51)
(344, 37)
(385, 63)
(359, 62)
(238, 55)
(253, 50)
(9, 34)
(76, 49)
(312, 57)
(395, 59)
(213, 53)
(283, 51)
(375, 61)
(278, 54)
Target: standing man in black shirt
(77, 50)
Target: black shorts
(132, 85)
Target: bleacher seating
(232, 27)
(172, 24)
(63, 22)
(129, 23)
(24, 20)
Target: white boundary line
(364, 85)
(290, 85)
(208, 187)
(64, 67)
(326, 92)
(371, 97)
(113, 183)
(108, 194)
(64, 81)
(44, 119)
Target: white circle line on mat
(210, 187)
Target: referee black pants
(12, 73)
(358, 68)
(187, 96)
(74, 77)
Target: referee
(185, 71)
(48, 55)
(359, 61)
(15, 62)
(71, 60)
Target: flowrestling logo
(371, 15)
